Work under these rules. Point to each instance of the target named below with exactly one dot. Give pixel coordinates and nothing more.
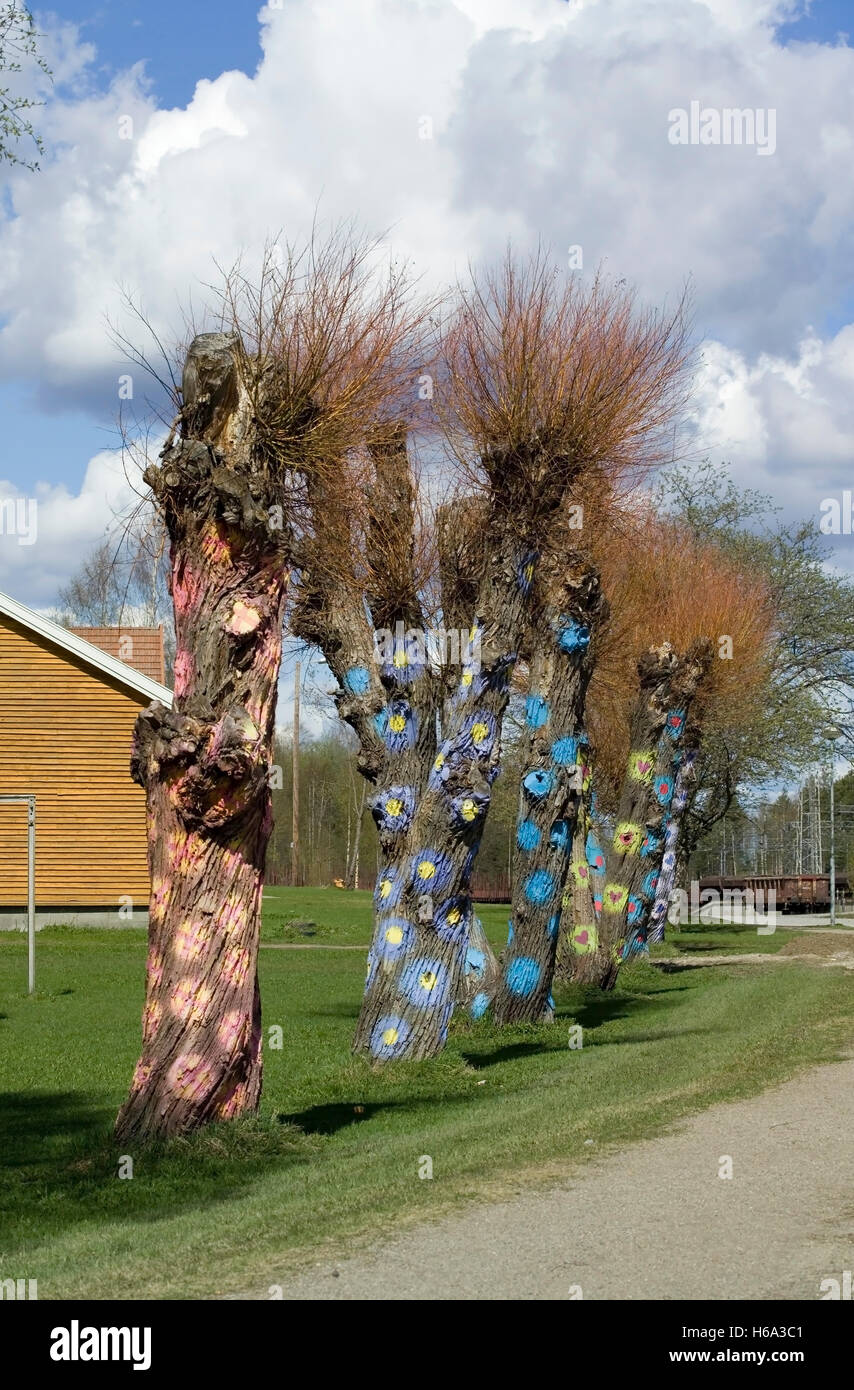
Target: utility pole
(832, 733)
(295, 852)
(832, 849)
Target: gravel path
(654, 1221)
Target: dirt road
(654, 1221)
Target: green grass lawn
(334, 1156)
(736, 940)
(334, 917)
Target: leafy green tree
(18, 48)
(812, 668)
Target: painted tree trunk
(480, 972)
(668, 684)
(554, 758)
(205, 766)
(669, 760)
(430, 822)
(667, 879)
(582, 901)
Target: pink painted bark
(205, 767)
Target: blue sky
(180, 44)
(822, 23)
(179, 41)
(557, 132)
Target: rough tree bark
(430, 820)
(670, 758)
(673, 837)
(582, 901)
(668, 684)
(432, 789)
(480, 972)
(550, 791)
(205, 763)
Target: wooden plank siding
(65, 733)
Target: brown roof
(140, 647)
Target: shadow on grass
(675, 967)
(592, 1010)
(59, 1165)
(662, 1035)
(32, 1122)
(689, 946)
(329, 1119)
(341, 1010)
(479, 1061)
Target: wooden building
(67, 710)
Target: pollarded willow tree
(307, 365)
(568, 610)
(540, 383)
(697, 627)
(554, 858)
(809, 670)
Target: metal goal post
(30, 801)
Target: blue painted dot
(536, 711)
(479, 1005)
(553, 925)
(538, 782)
(389, 1036)
(575, 637)
(539, 886)
(510, 932)
(425, 982)
(650, 884)
(522, 975)
(559, 834)
(475, 962)
(565, 751)
(357, 680)
(527, 835)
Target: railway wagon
(794, 892)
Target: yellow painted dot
(468, 677)
(397, 723)
(394, 936)
(454, 915)
(385, 888)
(390, 1037)
(394, 806)
(479, 732)
(426, 869)
(427, 980)
(529, 572)
(469, 809)
(400, 658)
(440, 762)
